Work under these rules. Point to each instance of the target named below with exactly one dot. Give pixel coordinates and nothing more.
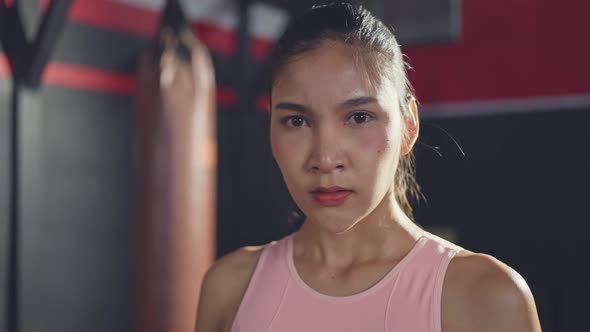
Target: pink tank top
(407, 299)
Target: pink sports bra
(406, 299)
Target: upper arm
(482, 294)
(222, 289)
(211, 302)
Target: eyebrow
(355, 102)
(292, 107)
(350, 103)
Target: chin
(332, 224)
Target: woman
(343, 124)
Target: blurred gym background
(92, 149)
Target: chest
(393, 305)
(342, 282)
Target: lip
(332, 197)
(329, 190)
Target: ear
(412, 124)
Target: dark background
(505, 93)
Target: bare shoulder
(480, 293)
(223, 287)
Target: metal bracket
(28, 59)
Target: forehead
(330, 73)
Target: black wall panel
(77, 223)
(5, 88)
(520, 194)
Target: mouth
(329, 190)
(332, 196)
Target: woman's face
(331, 127)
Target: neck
(385, 233)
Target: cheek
(286, 149)
(377, 144)
(378, 158)
(383, 146)
(277, 143)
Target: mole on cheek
(376, 143)
(383, 147)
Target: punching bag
(176, 175)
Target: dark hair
(379, 52)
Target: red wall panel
(509, 49)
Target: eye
(293, 121)
(360, 117)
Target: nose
(327, 153)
